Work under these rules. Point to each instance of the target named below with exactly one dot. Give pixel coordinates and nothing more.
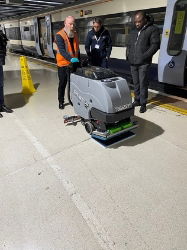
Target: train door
(172, 64)
(37, 40)
(43, 36)
(49, 37)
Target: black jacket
(140, 49)
(103, 39)
(3, 43)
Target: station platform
(60, 190)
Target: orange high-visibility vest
(61, 61)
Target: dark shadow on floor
(18, 100)
(146, 131)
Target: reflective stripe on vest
(61, 61)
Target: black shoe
(61, 105)
(143, 109)
(4, 108)
(1, 115)
(135, 104)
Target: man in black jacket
(98, 44)
(3, 43)
(142, 44)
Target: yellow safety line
(167, 106)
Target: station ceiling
(8, 10)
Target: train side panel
(12, 30)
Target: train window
(118, 36)
(28, 35)
(118, 27)
(158, 17)
(13, 33)
(82, 34)
(159, 20)
(83, 26)
(178, 28)
(81, 23)
(26, 28)
(117, 20)
(57, 26)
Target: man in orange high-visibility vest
(67, 53)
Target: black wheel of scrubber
(89, 127)
(83, 122)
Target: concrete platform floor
(59, 190)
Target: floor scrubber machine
(102, 101)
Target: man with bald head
(67, 54)
(143, 43)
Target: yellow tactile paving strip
(169, 103)
(170, 107)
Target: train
(34, 34)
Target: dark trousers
(63, 75)
(1, 86)
(101, 62)
(140, 81)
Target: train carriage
(37, 32)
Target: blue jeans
(1, 86)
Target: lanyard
(97, 40)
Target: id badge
(97, 46)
